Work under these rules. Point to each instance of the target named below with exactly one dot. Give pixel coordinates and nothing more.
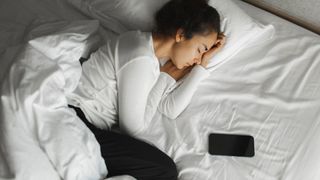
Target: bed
(270, 89)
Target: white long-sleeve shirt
(122, 80)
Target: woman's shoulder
(136, 42)
(134, 45)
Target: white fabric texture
(240, 29)
(269, 90)
(124, 15)
(46, 124)
(38, 129)
(123, 78)
(121, 15)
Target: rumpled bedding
(40, 136)
(269, 90)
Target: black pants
(126, 155)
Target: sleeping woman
(125, 81)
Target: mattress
(269, 90)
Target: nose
(199, 58)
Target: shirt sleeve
(140, 89)
(174, 102)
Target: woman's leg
(126, 155)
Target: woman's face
(187, 52)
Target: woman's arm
(140, 89)
(173, 103)
(141, 92)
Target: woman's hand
(214, 50)
(173, 71)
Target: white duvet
(270, 90)
(41, 137)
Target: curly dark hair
(193, 16)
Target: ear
(180, 35)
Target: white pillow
(124, 15)
(239, 28)
(121, 15)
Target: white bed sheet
(270, 90)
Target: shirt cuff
(170, 80)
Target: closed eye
(205, 47)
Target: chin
(180, 67)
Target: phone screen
(231, 145)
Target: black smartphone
(231, 145)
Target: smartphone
(231, 145)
